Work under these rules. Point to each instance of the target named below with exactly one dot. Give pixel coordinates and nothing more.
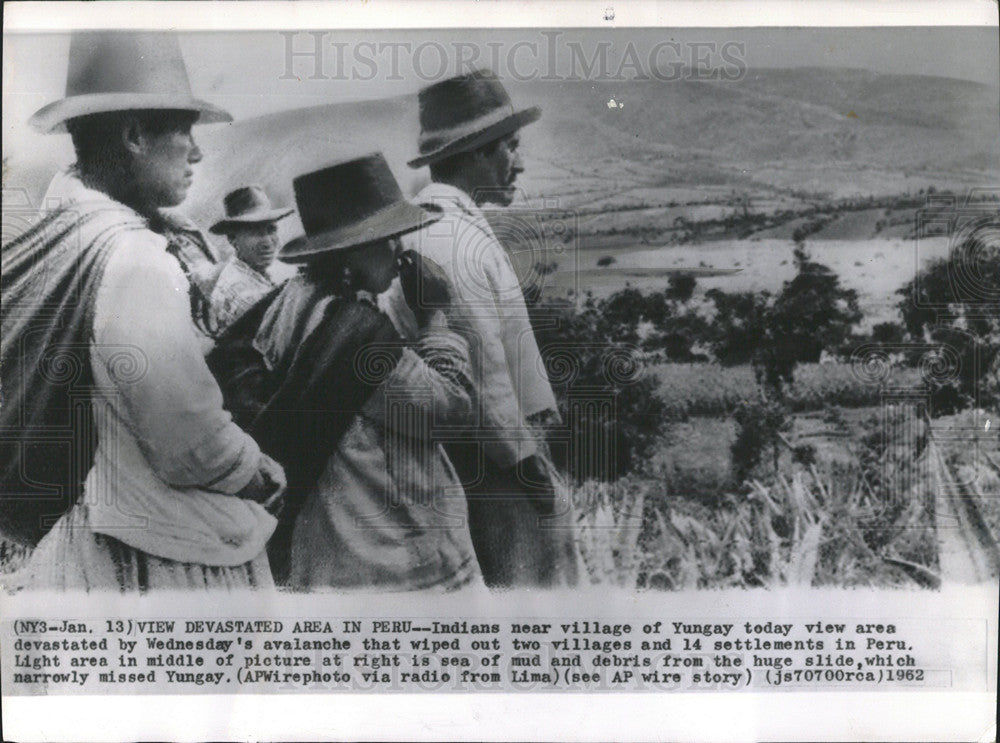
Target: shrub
(739, 326)
(809, 228)
(813, 312)
(888, 332)
(606, 397)
(804, 529)
(954, 303)
(759, 425)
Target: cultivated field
(713, 390)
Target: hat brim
(223, 225)
(51, 119)
(393, 221)
(475, 140)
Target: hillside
(784, 135)
(837, 132)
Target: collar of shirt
(67, 187)
(443, 194)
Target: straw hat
(247, 205)
(121, 71)
(348, 204)
(464, 113)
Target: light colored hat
(247, 205)
(348, 204)
(464, 113)
(123, 71)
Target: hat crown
(463, 113)
(122, 71)
(246, 200)
(462, 100)
(345, 193)
(350, 204)
(126, 62)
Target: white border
(529, 717)
(392, 14)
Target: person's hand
(267, 486)
(535, 479)
(424, 283)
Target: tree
(813, 311)
(953, 308)
(739, 327)
(760, 422)
(591, 354)
(680, 287)
(676, 326)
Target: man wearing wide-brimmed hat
(369, 372)
(251, 227)
(520, 519)
(95, 306)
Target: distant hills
(839, 132)
(791, 133)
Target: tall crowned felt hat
(464, 113)
(245, 206)
(348, 204)
(121, 71)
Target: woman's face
(373, 266)
(370, 267)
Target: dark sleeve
(326, 386)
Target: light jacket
(488, 308)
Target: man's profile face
(500, 168)
(163, 171)
(256, 244)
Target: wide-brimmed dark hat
(464, 113)
(247, 205)
(348, 204)
(123, 71)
